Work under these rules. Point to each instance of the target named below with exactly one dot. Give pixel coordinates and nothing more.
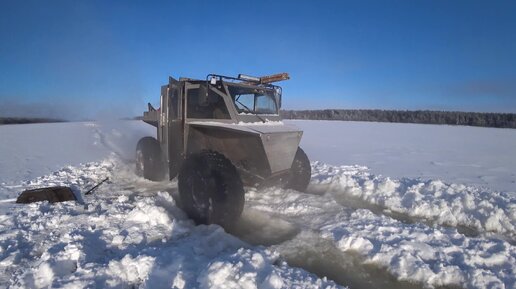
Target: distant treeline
(502, 120)
(22, 120)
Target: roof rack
(264, 80)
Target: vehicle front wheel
(300, 172)
(149, 160)
(210, 189)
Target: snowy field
(388, 206)
(456, 154)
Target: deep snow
(120, 238)
(359, 228)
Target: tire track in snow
(384, 252)
(302, 245)
(306, 249)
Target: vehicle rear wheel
(210, 189)
(300, 172)
(149, 160)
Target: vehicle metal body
(237, 117)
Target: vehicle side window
(265, 104)
(210, 106)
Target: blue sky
(81, 59)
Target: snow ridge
(433, 201)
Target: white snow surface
(32, 150)
(456, 154)
(360, 228)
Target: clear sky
(78, 59)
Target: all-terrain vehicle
(217, 135)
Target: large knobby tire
(149, 159)
(210, 189)
(300, 172)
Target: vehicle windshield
(253, 100)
